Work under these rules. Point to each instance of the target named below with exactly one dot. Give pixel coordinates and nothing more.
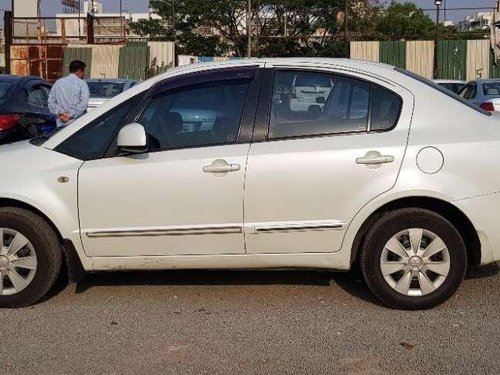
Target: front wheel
(30, 257)
(413, 259)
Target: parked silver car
(101, 90)
(483, 92)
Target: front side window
(200, 115)
(308, 103)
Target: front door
(183, 197)
(321, 160)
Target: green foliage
(219, 27)
(405, 21)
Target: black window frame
(263, 118)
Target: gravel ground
(291, 322)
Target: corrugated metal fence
(103, 61)
(134, 59)
(456, 59)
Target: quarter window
(306, 104)
(385, 110)
(201, 115)
(93, 140)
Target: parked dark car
(24, 111)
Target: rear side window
(329, 104)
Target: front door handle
(375, 158)
(221, 166)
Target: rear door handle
(374, 158)
(221, 166)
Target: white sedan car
(391, 171)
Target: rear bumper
(484, 213)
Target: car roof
(360, 66)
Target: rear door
(312, 168)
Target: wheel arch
(9, 202)
(450, 212)
(74, 265)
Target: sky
(51, 7)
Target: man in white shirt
(69, 96)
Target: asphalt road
(249, 323)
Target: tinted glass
(491, 89)
(201, 115)
(105, 89)
(452, 86)
(92, 141)
(334, 104)
(386, 107)
(37, 97)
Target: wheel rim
(415, 262)
(18, 262)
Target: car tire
(37, 258)
(413, 259)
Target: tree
(405, 21)
(279, 27)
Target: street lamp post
(438, 8)
(249, 29)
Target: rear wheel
(413, 259)
(30, 257)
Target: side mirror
(132, 139)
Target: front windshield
(105, 89)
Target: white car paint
(313, 183)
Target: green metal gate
(134, 59)
(451, 59)
(494, 66)
(393, 53)
(77, 53)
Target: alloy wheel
(18, 262)
(415, 262)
